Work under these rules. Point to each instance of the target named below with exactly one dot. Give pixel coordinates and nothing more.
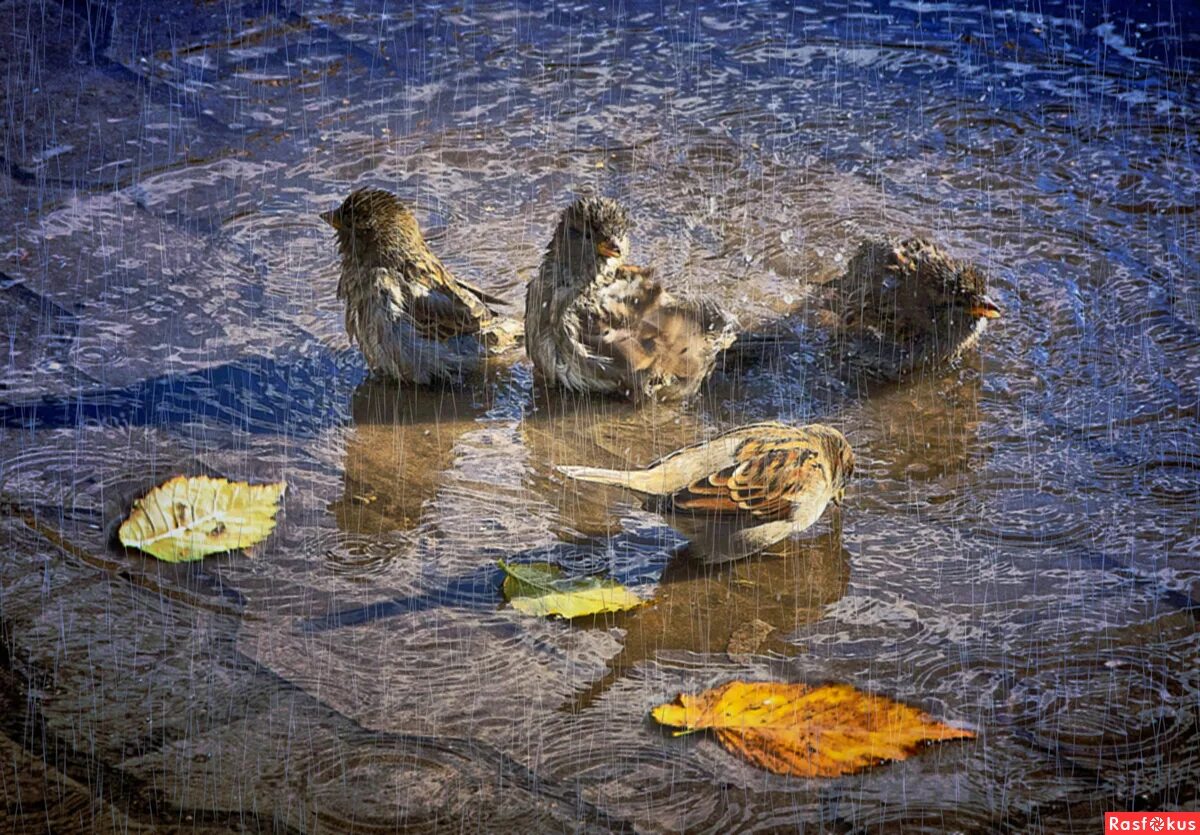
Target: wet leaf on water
(189, 518)
(541, 589)
(747, 639)
(806, 731)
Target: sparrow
(743, 490)
(413, 320)
(595, 324)
(905, 305)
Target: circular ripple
(380, 791)
(1113, 710)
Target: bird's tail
(501, 335)
(641, 481)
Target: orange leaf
(806, 731)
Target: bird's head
(840, 457)
(914, 296)
(920, 274)
(592, 236)
(967, 289)
(372, 219)
(964, 308)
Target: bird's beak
(331, 218)
(984, 308)
(608, 249)
(839, 497)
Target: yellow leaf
(189, 518)
(806, 731)
(541, 589)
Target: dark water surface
(1020, 554)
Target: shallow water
(1019, 554)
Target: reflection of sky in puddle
(1018, 554)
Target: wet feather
(903, 305)
(409, 315)
(596, 324)
(764, 482)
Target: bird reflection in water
(401, 441)
(731, 612)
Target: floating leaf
(189, 518)
(806, 731)
(746, 640)
(541, 589)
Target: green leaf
(188, 518)
(540, 589)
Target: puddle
(1018, 550)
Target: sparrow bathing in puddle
(905, 305)
(412, 319)
(744, 490)
(595, 324)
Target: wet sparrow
(904, 305)
(594, 324)
(413, 320)
(744, 490)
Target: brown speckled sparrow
(594, 324)
(744, 490)
(412, 319)
(906, 305)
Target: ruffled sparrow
(594, 324)
(905, 305)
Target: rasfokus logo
(1152, 822)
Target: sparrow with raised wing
(744, 490)
(905, 305)
(412, 319)
(595, 324)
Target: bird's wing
(686, 336)
(442, 307)
(607, 356)
(893, 289)
(608, 328)
(768, 474)
(437, 277)
(489, 301)
(648, 335)
(619, 348)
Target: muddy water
(1019, 553)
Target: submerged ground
(1020, 554)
